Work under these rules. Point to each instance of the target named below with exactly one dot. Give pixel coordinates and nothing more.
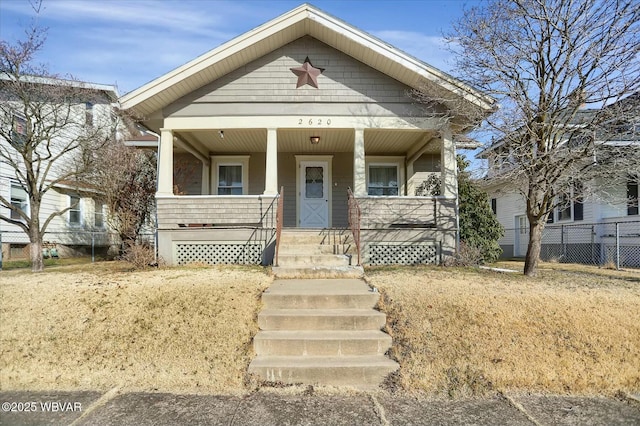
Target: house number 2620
(314, 121)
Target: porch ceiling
(377, 142)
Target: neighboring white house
(310, 104)
(592, 228)
(82, 227)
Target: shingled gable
(303, 20)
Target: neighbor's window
(230, 179)
(19, 131)
(494, 205)
(98, 215)
(88, 112)
(632, 198)
(571, 204)
(383, 180)
(75, 214)
(19, 200)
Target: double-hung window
(230, 175)
(19, 200)
(632, 197)
(75, 212)
(229, 179)
(384, 176)
(98, 214)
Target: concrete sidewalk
(279, 408)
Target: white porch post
(271, 169)
(359, 169)
(165, 163)
(206, 177)
(449, 165)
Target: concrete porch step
(317, 272)
(321, 342)
(321, 319)
(306, 260)
(319, 294)
(316, 236)
(358, 371)
(294, 248)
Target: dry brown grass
(465, 332)
(100, 326)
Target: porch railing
(354, 220)
(279, 222)
(266, 230)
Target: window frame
(26, 208)
(574, 203)
(229, 160)
(98, 212)
(77, 209)
(632, 206)
(386, 161)
(15, 133)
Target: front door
(314, 194)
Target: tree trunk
(533, 249)
(35, 250)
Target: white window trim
(388, 161)
(80, 208)
(230, 160)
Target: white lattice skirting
(217, 253)
(402, 254)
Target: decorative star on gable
(307, 74)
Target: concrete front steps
(316, 253)
(321, 331)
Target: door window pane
(314, 181)
(383, 180)
(230, 180)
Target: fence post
(563, 243)
(593, 244)
(93, 254)
(617, 245)
(0, 251)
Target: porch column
(206, 177)
(271, 173)
(359, 169)
(165, 163)
(449, 165)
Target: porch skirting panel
(244, 246)
(216, 253)
(398, 253)
(407, 246)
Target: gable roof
(303, 20)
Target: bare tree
(553, 65)
(49, 133)
(127, 180)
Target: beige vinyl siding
(178, 212)
(344, 86)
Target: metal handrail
(266, 229)
(279, 221)
(354, 220)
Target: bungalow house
(83, 229)
(596, 221)
(313, 117)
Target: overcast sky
(131, 42)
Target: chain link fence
(97, 244)
(616, 244)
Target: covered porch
(218, 185)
